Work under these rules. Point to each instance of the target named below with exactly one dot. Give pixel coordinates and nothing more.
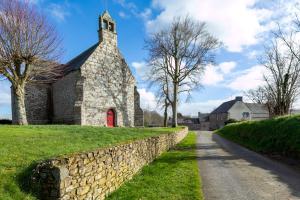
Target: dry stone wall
(95, 174)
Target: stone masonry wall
(64, 97)
(95, 174)
(108, 84)
(138, 111)
(38, 103)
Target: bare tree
(159, 78)
(187, 47)
(282, 76)
(262, 95)
(28, 48)
(152, 118)
(257, 95)
(282, 80)
(282, 63)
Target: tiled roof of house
(224, 107)
(79, 60)
(254, 107)
(257, 108)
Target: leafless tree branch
(184, 48)
(29, 48)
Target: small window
(111, 27)
(105, 24)
(246, 115)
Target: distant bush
(274, 136)
(5, 121)
(231, 121)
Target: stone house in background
(97, 88)
(200, 122)
(238, 110)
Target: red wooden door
(110, 118)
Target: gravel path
(231, 172)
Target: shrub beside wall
(93, 175)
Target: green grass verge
(173, 176)
(275, 136)
(22, 147)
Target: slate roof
(224, 107)
(254, 107)
(257, 108)
(79, 60)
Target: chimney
(238, 98)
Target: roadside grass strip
(172, 176)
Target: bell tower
(107, 29)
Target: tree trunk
(19, 111)
(166, 114)
(174, 105)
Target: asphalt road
(231, 172)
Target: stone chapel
(97, 88)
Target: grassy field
(22, 147)
(279, 136)
(173, 176)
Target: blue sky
(242, 25)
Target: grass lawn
(22, 147)
(173, 176)
(280, 136)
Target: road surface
(231, 172)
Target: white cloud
(214, 75)
(236, 22)
(123, 15)
(5, 100)
(141, 69)
(59, 11)
(146, 14)
(147, 99)
(133, 10)
(296, 104)
(4, 93)
(285, 12)
(247, 79)
(227, 67)
(129, 5)
(253, 54)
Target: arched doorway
(111, 117)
